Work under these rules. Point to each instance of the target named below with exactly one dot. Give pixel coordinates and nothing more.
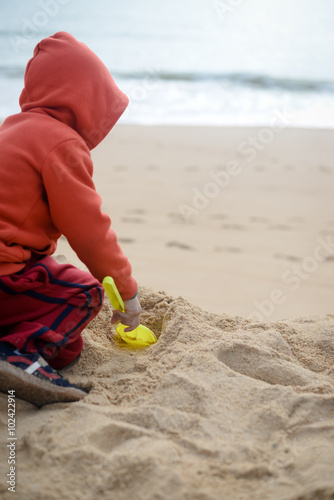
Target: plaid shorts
(45, 306)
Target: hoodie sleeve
(75, 208)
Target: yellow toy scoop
(140, 336)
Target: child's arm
(75, 208)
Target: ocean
(194, 62)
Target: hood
(67, 81)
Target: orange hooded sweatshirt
(68, 105)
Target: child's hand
(131, 316)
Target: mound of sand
(220, 408)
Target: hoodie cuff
(128, 290)
(135, 295)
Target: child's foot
(32, 379)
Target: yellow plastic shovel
(140, 336)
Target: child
(68, 105)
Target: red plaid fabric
(45, 307)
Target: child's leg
(45, 307)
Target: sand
(257, 234)
(222, 406)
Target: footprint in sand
(177, 218)
(279, 227)
(292, 258)
(237, 227)
(324, 169)
(138, 211)
(327, 233)
(263, 364)
(177, 244)
(152, 167)
(218, 216)
(296, 218)
(110, 436)
(191, 168)
(227, 249)
(135, 220)
(257, 218)
(126, 240)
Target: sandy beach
(205, 215)
(230, 234)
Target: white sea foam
(190, 61)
